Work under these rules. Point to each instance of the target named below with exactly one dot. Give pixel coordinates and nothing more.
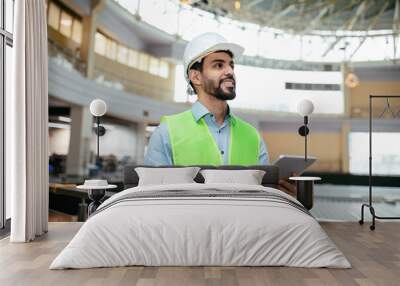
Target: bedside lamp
(305, 108)
(98, 108)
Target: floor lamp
(96, 188)
(98, 108)
(305, 185)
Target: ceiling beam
(370, 26)
(317, 6)
(396, 28)
(283, 13)
(374, 21)
(303, 16)
(358, 47)
(253, 3)
(328, 8)
(396, 17)
(361, 10)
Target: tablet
(289, 164)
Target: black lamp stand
(96, 195)
(305, 187)
(303, 131)
(100, 131)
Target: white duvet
(200, 231)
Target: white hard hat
(205, 44)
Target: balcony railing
(132, 85)
(66, 57)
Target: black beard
(218, 92)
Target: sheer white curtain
(27, 124)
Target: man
(209, 133)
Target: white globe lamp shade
(98, 107)
(305, 107)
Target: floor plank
(375, 257)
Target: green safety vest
(193, 144)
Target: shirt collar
(199, 111)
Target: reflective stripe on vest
(193, 144)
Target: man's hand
(289, 187)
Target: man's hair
(198, 66)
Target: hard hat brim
(235, 49)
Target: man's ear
(195, 77)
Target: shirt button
(222, 152)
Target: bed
(201, 224)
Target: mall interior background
(129, 53)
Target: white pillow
(163, 176)
(249, 177)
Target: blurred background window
(385, 153)
(154, 66)
(100, 44)
(111, 49)
(133, 59)
(54, 16)
(122, 54)
(66, 24)
(77, 31)
(6, 84)
(143, 62)
(164, 69)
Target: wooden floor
(374, 255)
(55, 216)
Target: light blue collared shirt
(159, 151)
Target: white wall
(119, 141)
(59, 140)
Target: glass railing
(113, 80)
(65, 57)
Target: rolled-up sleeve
(159, 148)
(263, 158)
